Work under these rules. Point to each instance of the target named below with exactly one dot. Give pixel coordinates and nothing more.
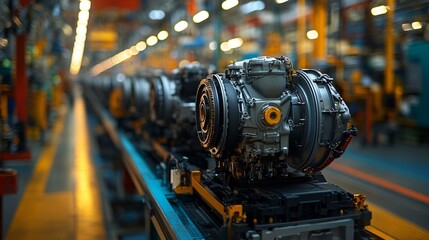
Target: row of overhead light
(79, 42)
(379, 10)
(411, 26)
(238, 42)
(150, 41)
(179, 27)
(128, 53)
(197, 18)
(247, 7)
(231, 44)
(382, 9)
(203, 15)
(228, 4)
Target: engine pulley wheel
(217, 116)
(207, 117)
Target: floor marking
(42, 215)
(378, 233)
(62, 215)
(89, 215)
(383, 220)
(381, 182)
(395, 226)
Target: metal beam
(389, 48)
(301, 35)
(320, 25)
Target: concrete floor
(58, 194)
(395, 180)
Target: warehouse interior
(209, 119)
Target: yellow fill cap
(272, 115)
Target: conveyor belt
(165, 219)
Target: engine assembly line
(237, 154)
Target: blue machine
(415, 83)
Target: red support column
(21, 80)
(21, 86)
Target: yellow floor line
(89, 216)
(63, 215)
(395, 226)
(43, 215)
(378, 233)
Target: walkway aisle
(89, 219)
(62, 199)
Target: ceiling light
(407, 27)
(201, 16)
(225, 47)
(416, 25)
(80, 38)
(83, 16)
(141, 46)
(152, 40)
(156, 14)
(235, 42)
(252, 6)
(213, 45)
(128, 53)
(82, 23)
(162, 35)
(312, 34)
(134, 51)
(123, 55)
(281, 1)
(81, 30)
(114, 59)
(84, 5)
(228, 4)
(79, 43)
(180, 26)
(379, 10)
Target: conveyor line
(145, 180)
(165, 218)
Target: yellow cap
(272, 115)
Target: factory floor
(394, 179)
(58, 196)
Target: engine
(134, 94)
(172, 101)
(262, 119)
